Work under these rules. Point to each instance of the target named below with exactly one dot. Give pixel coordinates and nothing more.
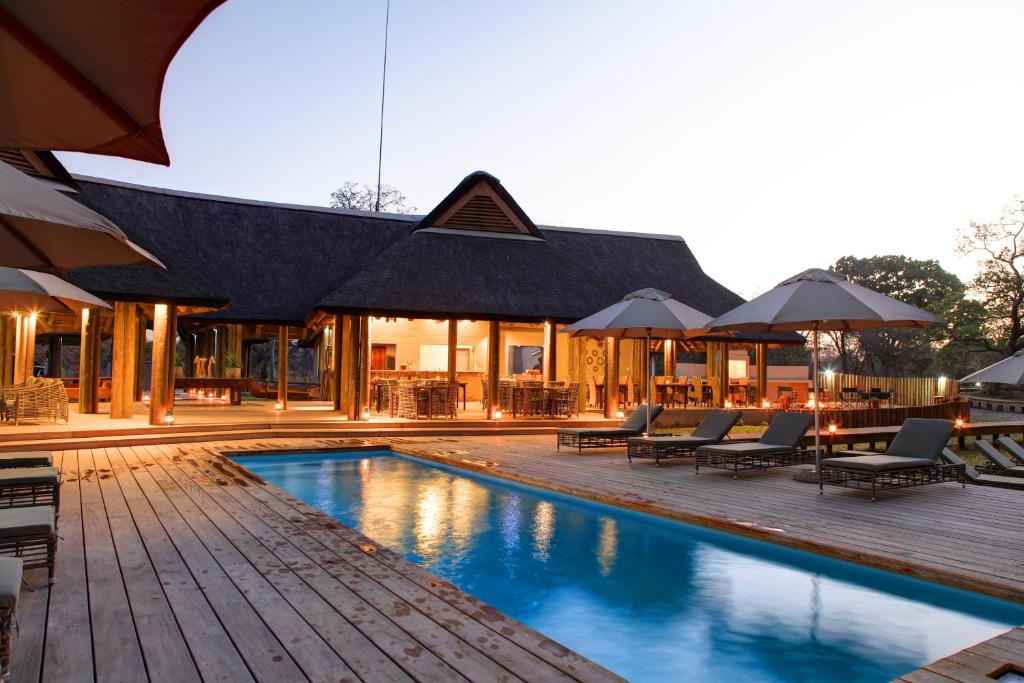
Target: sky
(773, 137)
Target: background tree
(1000, 279)
(363, 197)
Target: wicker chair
(11, 569)
(565, 403)
(36, 399)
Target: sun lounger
(976, 477)
(26, 486)
(779, 446)
(711, 430)
(10, 588)
(912, 459)
(999, 463)
(31, 534)
(26, 459)
(606, 437)
(1012, 447)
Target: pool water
(650, 599)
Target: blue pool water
(648, 598)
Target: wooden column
(578, 369)
(493, 368)
(550, 351)
(723, 373)
(282, 366)
(140, 357)
(350, 358)
(761, 361)
(172, 355)
(611, 377)
(8, 334)
(453, 345)
(669, 363)
(337, 360)
(124, 366)
(25, 347)
(54, 349)
(363, 391)
(89, 362)
(161, 363)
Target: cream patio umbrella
(41, 228)
(820, 300)
(643, 314)
(87, 76)
(27, 291)
(1009, 370)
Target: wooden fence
(907, 391)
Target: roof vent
(480, 213)
(19, 161)
(480, 205)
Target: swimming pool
(648, 598)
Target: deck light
(169, 418)
(145, 398)
(832, 428)
(620, 413)
(497, 414)
(766, 403)
(278, 406)
(366, 413)
(727, 404)
(959, 423)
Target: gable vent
(480, 213)
(18, 161)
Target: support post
(124, 363)
(611, 377)
(493, 368)
(8, 335)
(453, 346)
(89, 362)
(669, 359)
(364, 366)
(723, 373)
(172, 356)
(761, 359)
(54, 349)
(162, 371)
(349, 337)
(140, 357)
(337, 359)
(25, 347)
(282, 366)
(550, 351)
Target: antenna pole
(383, 85)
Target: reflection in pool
(648, 598)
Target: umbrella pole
(817, 414)
(648, 407)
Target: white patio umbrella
(643, 314)
(41, 228)
(1007, 371)
(24, 291)
(818, 300)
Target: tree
(999, 282)
(904, 352)
(363, 197)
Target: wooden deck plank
(109, 608)
(213, 651)
(166, 655)
(68, 655)
(267, 659)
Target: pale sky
(772, 136)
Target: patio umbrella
(1007, 371)
(819, 300)
(24, 291)
(87, 76)
(643, 314)
(41, 228)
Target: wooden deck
(174, 564)
(979, 663)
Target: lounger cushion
(993, 454)
(28, 521)
(921, 438)
(600, 431)
(787, 429)
(878, 463)
(744, 448)
(10, 582)
(717, 424)
(670, 440)
(28, 475)
(999, 480)
(638, 419)
(26, 459)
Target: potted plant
(179, 365)
(232, 366)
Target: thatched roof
(281, 263)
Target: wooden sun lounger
(976, 477)
(998, 463)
